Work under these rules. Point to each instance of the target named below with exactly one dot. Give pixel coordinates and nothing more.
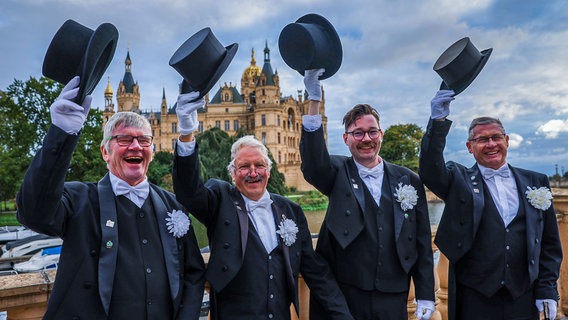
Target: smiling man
(129, 249)
(260, 241)
(498, 228)
(376, 234)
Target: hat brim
(97, 58)
(229, 55)
(335, 57)
(484, 57)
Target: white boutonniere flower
(178, 223)
(407, 196)
(287, 229)
(540, 198)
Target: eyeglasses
(484, 140)
(360, 134)
(260, 169)
(125, 140)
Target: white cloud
(553, 128)
(515, 140)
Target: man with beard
(376, 234)
(260, 241)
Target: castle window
(278, 137)
(278, 120)
(264, 137)
(174, 127)
(226, 110)
(174, 144)
(200, 127)
(263, 119)
(227, 125)
(226, 97)
(279, 156)
(236, 125)
(218, 124)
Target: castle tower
(108, 110)
(128, 94)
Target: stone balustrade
(25, 296)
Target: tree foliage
(401, 145)
(160, 170)
(24, 110)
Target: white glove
(424, 309)
(441, 104)
(551, 307)
(65, 113)
(186, 111)
(312, 83)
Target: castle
(259, 108)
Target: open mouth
(133, 160)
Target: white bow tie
(264, 202)
(490, 173)
(370, 172)
(140, 190)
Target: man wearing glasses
(376, 234)
(129, 249)
(498, 228)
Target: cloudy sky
(389, 50)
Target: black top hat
(311, 43)
(201, 60)
(76, 50)
(460, 64)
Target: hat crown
(76, 50)
(460, 64)
(311, 43)
(201, 60)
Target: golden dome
(252, 71)
(108, 90)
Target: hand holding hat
(65, 113)
(312, 83)
(186, 111)
(440, 104)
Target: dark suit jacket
(77, 212)
(461, 189)
(221, 208)
(338, 178)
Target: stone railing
(24, 296)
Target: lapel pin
(355, 186)
(474, 183)
(406, 216)
(109, 244)
(110, 223)
(476, 190)
(472, 177)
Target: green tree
(87, 163)
(401, 145)
(159, 171)
(24, 110)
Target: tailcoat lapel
(477, 191)
(169, 243)
(356, 183)
(399, 214)
(109, 241)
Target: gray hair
(126, 119)
(484, 120)
(248, 141)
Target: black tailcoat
(345, 235)
(221, 208)
(462, 190)
(78, 213)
